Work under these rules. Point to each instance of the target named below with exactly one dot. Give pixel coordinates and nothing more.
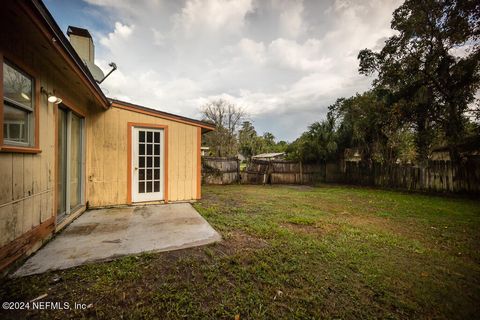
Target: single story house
(66, 147)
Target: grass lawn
(292, 252)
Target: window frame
(33, 146)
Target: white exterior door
(147, 164)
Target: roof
(269, 155)
(76, 31)
(67, 51)
(469, 144)
(162, 114)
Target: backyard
(290, 252)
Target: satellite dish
(96, 72)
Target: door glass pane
(61, 160)
(75, 161)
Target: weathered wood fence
(282, 172)
(437, 176)
(220, 170)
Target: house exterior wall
(27, 180)
(107, 159)
(28, 177)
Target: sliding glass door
(70, 162)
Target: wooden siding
(107, 164)
(27, 179)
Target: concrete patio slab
(105, 234)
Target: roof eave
(68, 51)
(206, 127)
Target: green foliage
(365, 122)
(432, 86)
(251, 144)
(318, 143)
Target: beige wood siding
(27, 182)
(107, 154)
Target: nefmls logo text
(50, 305)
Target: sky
(283, 61)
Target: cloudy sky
(284, 61)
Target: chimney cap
(76, 31)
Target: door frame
(67, 105)
(130, 126)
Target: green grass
(292, 252)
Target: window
(18, 107)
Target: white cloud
(285, 61)
(291, 21)
(121, 33)
(211, 16)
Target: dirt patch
(239, 240)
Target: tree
(251, 144)
(431, 86)
(247, 138)
(369, 123)
(318, 143)
(226, 117)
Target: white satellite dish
(96, 72)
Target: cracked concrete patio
(105, 234)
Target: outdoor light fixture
(52, 98)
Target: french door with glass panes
(70, 162)
(147, 164)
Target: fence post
(301, 173)
(238, 171)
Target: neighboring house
(469, 149)
(205, 151)
(270, 156)
(65, 147)
(352, 155)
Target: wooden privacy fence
(437, 176)
(282, 172)
(220, 170)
